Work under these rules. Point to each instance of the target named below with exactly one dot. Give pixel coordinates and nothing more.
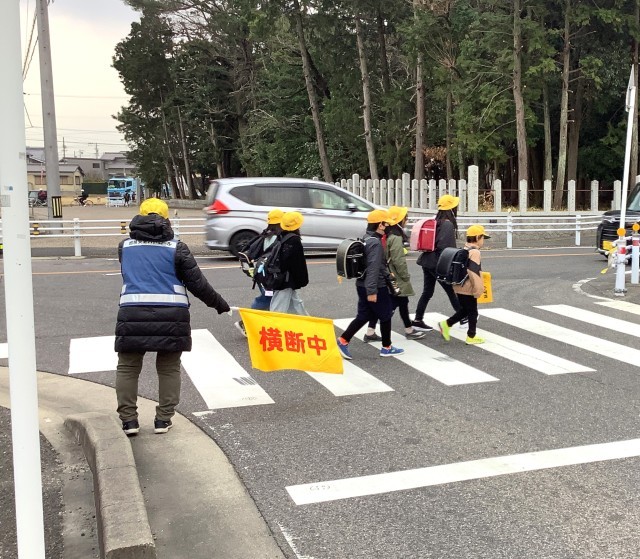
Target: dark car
(607, 230)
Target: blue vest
(149, 275)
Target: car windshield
(633, 202)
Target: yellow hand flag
(290, 341)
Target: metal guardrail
(77, 229)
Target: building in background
(71, 175)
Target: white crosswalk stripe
(220, 379)
(603, 321)
(353, 381)
(428, 361)
(621, 306)
(593, 344)
(522, 354)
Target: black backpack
(453, 265)
(250, 252)
(268, 269)
(351, 262)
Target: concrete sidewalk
(196, 505)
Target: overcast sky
(87, 89)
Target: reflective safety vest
(149, 275)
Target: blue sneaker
(344, 350)
(391, 351)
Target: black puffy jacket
(292, 260)
(154, 328)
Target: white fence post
(578, 217)
(383, 192)
(397, 193)
(424, 194)
(442, 187)
(462, 192)
(369, 190)
(415, 194)
(497, 195)
(355, 183)
(546, 204)
(406, 190)
(523, 188)
(175, 225)
(473, 186)
(509, 230)
(433, 201)
(376, 192)
(594, 196)
(617, 195)
(452, 187)
(77, 244)
(571, 196)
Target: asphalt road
(311, 436)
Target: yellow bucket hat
(477, 231)
(291, 221)
(274, 216)
(397, 214)
(448, 202)
(378, 216)
(154, 206)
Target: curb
(123, 526)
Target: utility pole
(48, 112)
(18, 291)
(96, 150)
(64, 150)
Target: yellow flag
(487, 295)
(291, 341)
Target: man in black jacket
(374, 299)
(154, 315)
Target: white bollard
(578, 217)
(77, 246)
(621, 263)
(509, 230)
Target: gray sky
(87, 89)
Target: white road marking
(606, 348)
(621, 306)
(92, 355)
(428, 361)
(522, 354)
(353, 381)
(219, 378)
(4, 351)
(376, 484)
(600, 320)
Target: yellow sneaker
(474, 341)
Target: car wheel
(240, 240)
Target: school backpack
(423, 235)
(250, 252)
(351, 262)
(268, 267)
(452, 267)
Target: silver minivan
(236, 211)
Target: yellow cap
(477, 231)
(274, 216)
(291, 221)
(378, 216)
(448, 202)
(154, 206)
(397, 214)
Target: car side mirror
(352, 207)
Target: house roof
(37, 168)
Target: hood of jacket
(152, 227)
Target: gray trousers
(287, 301)
(127, 374)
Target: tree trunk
(366, 106)
(448, 118)
(420, 120)
(185, 156)
(521, 127)
(548, 160)
(633, 168)
(564, 111)
(574, 133)
(313, 100)
(178, 189)
(386, 87)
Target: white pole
(635, 255)
(19, 293)
(622, 242)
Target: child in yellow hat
(470, 290)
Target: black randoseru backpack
(452, 267)
(268, 269)
(351, 262)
